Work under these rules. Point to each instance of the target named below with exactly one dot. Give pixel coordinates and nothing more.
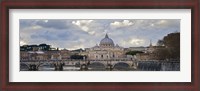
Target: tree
(160, 43)
(133, 52)
(76, 57)
(162, 54)
(172, 44)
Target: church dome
(106, 42)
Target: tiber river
(142, 66)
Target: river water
(142, 66)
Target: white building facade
(106, 50)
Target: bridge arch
(121, 66)
(46, 66)
(24, 67)
(97, 65)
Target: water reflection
(46, 67)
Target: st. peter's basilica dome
(106, 42)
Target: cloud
(36, 27)
(82, 22)
(22, 42)
(52, 34)
(56, 24)
(164, 23)
(136, 41)
(123, 23)
(133, 42)
(73, 33)
(161, 22)
(84, 25)
(152, 25)
(46, 21)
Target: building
(141, 48)
(24, 56)
(106, 50)
(33, 56)
(54, 55)
(40, 52)
(65, 54)
(151, 53)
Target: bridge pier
(58, 66)
(33, 67)
(84, 67)
(83, 64)
(109, 67)
(134, 65)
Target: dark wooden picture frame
(100, 4)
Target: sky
(78, 33)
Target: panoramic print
(99, 44)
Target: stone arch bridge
(83, 64)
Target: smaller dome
(117, 45)
(96, 46)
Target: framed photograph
(100, 45)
